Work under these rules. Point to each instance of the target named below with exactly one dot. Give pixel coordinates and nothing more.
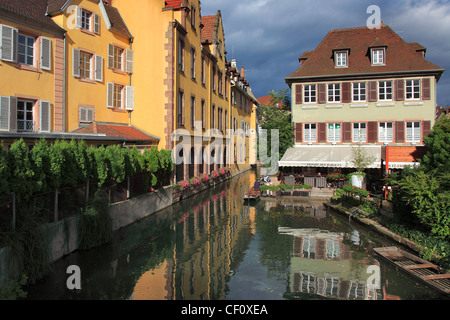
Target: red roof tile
(208, 28)
(400, 56)
(121, 131)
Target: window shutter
(346, 92)
(82, 114)
(426, 89)
(322, 93)
(8, 43)
(78, 12)
(76, 62)
(96, 23)
(373, 91)
(372, 132)
(12, 113)
(399, 90)
(46, 53)
(129, 98)
(298, 132)
(4, 113)
(109, 95)
(298, 94)
(347, 132)
(90, 115)
(426, 129)
(45, 116)
(98, 68)
(129, 61)
(110, 56)
(322, 132)
(400, 131)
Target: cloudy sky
(267, 36)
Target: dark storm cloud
(267, 36)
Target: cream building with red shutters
(365, 87)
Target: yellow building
(31, 81)
(182, 78)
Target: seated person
(257, 184)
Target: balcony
(26, 125)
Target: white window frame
(386, 134)
(25, 54)
(359, 132)
(378, 56)
(309, 93)
(334, 134)
(335, 95)
(413, 86)
(310, 132)
(383, 90)
(341, 59)
(413, 133)
(28, 125)
(358, 92)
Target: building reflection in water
(210, 237)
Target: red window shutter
(347, 132)
(373, 91)
(346, 92)
(426, 129)
(426, 89)
(322, 93)
(298, 94)
(372, 132)
(322, 132)
(399, 90)
(298, 132)
(400, 131)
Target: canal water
(214, 247)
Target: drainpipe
(64, 86)
(129, 82)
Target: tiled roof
(34, 10)
(121, 131)
(208, 28)
(400, 56)
(117, 23)
(176, 4)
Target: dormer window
(378, 56)
(341, 59)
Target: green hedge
(48, 167)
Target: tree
(272, 116)
(437, 157)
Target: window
(378, 57)
(310, 93)
(193, 63)
(359, 132)
(220, 119)
(118, 52)
(385, 90)
(334, 92)
(192, 112)
(413, 131)
(117, 96)
(334, 132)
(359, 92)
(25, 110)
(203, 114)
(203, 70)
(310, 134)
(181, 55)
(341, 59)
(213, 79)
(213, 117)
(86, 115)
(180, 114)
(193, 14)
(220, 82)
(412, 89)
(86, 20)
(385, 132)
(85, 65)
(26, 50)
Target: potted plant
(360, 161)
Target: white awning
(337, 156)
